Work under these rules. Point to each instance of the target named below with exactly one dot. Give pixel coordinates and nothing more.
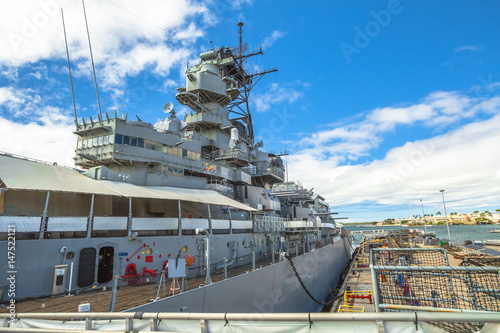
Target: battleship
(200, 190)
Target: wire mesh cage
(420, 279)
(410, 257)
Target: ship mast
(240, 105)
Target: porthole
(70, 255)
(149, 251)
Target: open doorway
(105, 268)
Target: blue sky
(380, 103)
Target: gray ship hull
(273, 289)
(35, 259)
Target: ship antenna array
(69, 67)
(247, 82)
(92, 59)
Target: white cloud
(269, 41)
(463, 161)
(9, 96)
(469, 48)
(9, 72)
(237, 4)
(438, 109)
(54, 143)
(276, 94)
(134, 61)
(30, 128)
(127, 36)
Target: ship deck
(127, 296)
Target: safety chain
(289, 258)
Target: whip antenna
(93, 67)
(69, 67)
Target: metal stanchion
(225, 267)
(113, 294)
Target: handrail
(463, 316)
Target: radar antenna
(240, 105)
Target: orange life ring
(189, 258)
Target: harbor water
(459, 233)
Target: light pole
(208, 279)
(423, 214)
(445, 214)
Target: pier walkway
(358, 287)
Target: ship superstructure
(147, 190)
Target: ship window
(140, 142)
(111, 138)
(133, 141)
(105, 139)
(197, 156)
(119, 139)
(184, 153)
(79, 144)
(189, 155)
(100, 140)
(164, 149)
(94, 142)
(169, 150)
(153, 145)
(126, 140)
(147, 144)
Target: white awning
(21, 174)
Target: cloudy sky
(380, 103)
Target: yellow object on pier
(348, 308)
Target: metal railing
(420, 279)
(229, 321)
(269, 223)
(229, 154)
(262, 170)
